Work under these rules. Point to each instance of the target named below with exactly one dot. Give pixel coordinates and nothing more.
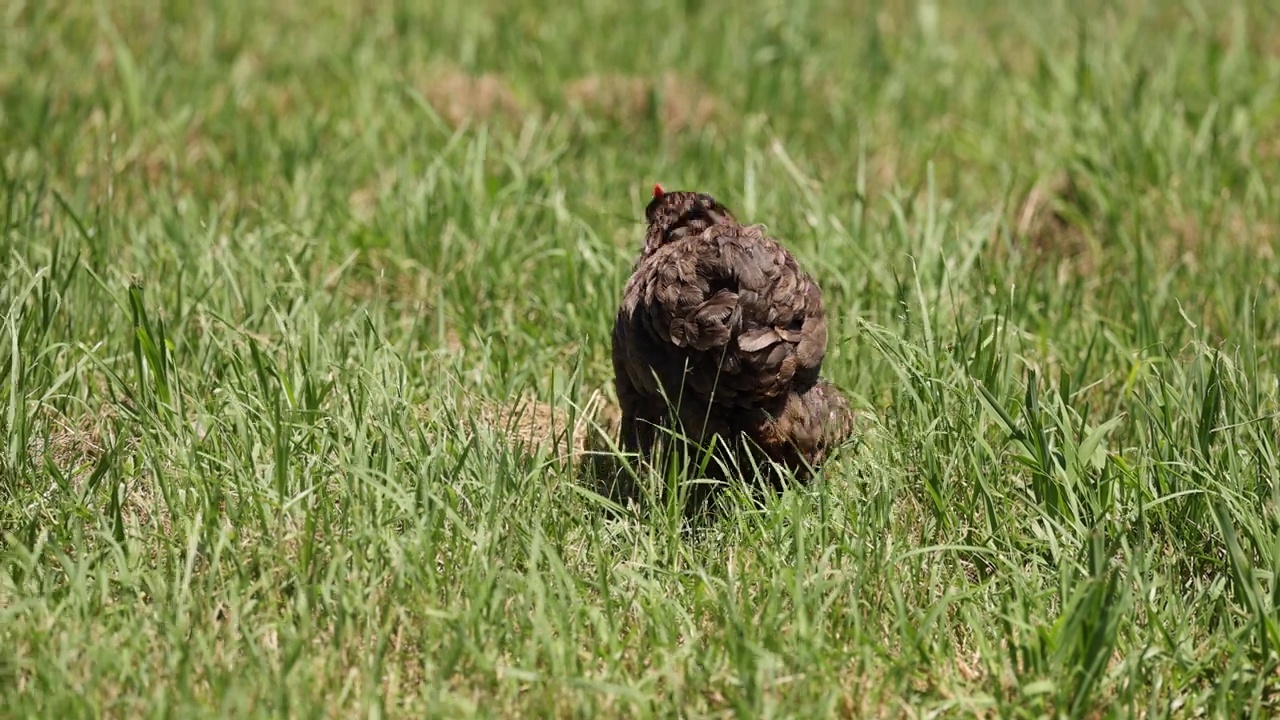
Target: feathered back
(719, 323)
(673, 216)
(718, 309)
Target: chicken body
(721, 335)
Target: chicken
(721, 336)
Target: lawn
(304, 339)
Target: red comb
(658, 191)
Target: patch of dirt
(1045, 222)
(76, 446)
(1227, 226)
(460, 97)
(677, 103)
(363, 201)
(533, 425)
(73, 446)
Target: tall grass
(270, 268)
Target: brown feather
(720, 316)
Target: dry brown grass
(461, 98)
(1043, 222)
(677, 103)
(1229, 225)
(533, 425)
(363, 201)
(75, 446)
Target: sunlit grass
(305, 317)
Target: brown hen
(721, 336)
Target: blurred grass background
(303, 302)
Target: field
(304, 328)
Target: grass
(279, 279)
